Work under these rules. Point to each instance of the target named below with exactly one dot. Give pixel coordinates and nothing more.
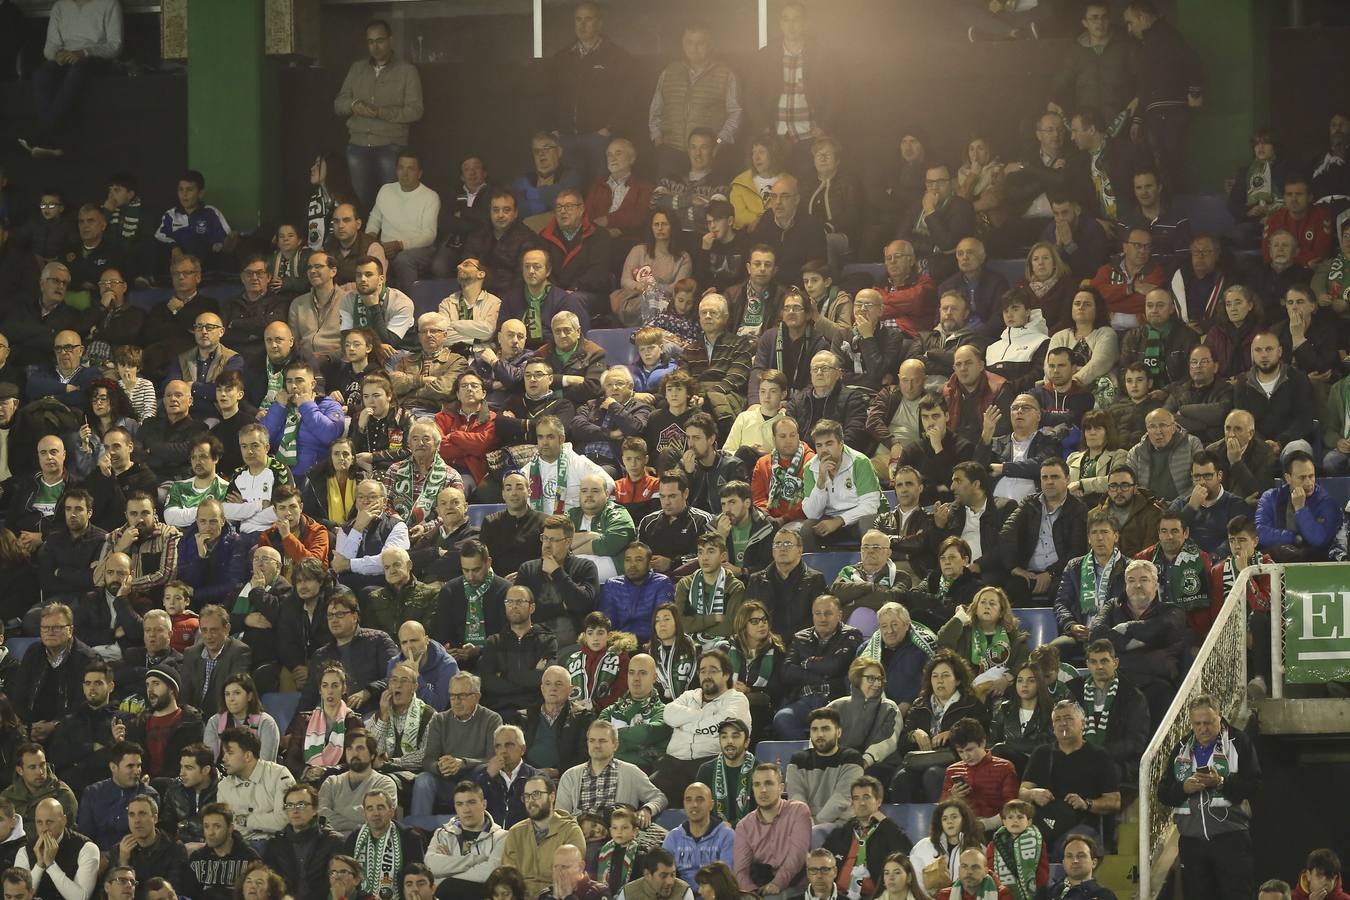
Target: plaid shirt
(794, 114)
(729, 366)
(598, 792)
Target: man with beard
(104, 618)
(79, 746)
(513, 532)
(166, 728)
(301, 851)
(471, 606)
(548, 836)
(1116, 714)
(772, 840)
(147, 849)
(1279, 397)
(218, 865)
(693, 716)
(1150, 636)
(66, 558)
(1134, 510)
(385, 310)
(730, 798)
(674, 528)
(342, 795)
(820, 774)
(747, 532)
(514, 659)
(254, 788)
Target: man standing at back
(589, 87)
(694, 92)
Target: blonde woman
(986, 634)
(1048, 278)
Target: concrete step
(1114, 874)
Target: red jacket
(1313, 233)
(631, 216)
(759, 488)
(988, 393)
(1301, 891)
(1112, 282)
(992, 781)
(626, 491)
(1258, 589)
(467, 441)
(312, 541)
(913, 306)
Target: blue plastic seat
(18, 646)
(865, 620)
(427, 294)
(778, 752)
(281, 705)
(830, 563)
(1039, 623)
(914, 819)
(890, 498)
(148, 298)
(1338, 488)
(1012, 269)
(618, 344)
(875, 271)
(671, 819)
(426, 823)
(480, 511)
(1207, 212)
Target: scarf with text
(1185, 576)
(406, 499)
(989, 650)
(381, 859)
(1094, 582)
(537, 499)
(290, 433)
(475, 629)
(1017, 859)
(1096, 719)
(403, 734)
(733, 808)
(675, 667)
(920, 636)
(362, 315)
(785, 482)
(584, 686)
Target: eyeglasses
(823, 368)
(758, 620)
(207, 327)
(462, 695)
(566, 206)
(262, 273)
(553, 540)
(535, 795)
(1120, 486)
(874, 547)
(819, 870)
(49, 206)
(304, 804)
(783, 545)
(68, 348)
(934, 182)
(874, 678)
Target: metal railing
(1220, 669)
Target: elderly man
(1047, 529)
(696, 91)
(829, 398)
(402, 598)
(893, 414)
(875, 579)
(816, 666)
(1201, 401)
(1123, 284)
(213, 659)
(578, 251)
(398, 730)
(33, 500)
(1297, 521)
(975, 397)
(555, 728)
(937, 222)
(616, 200)
(577, 363)
(62, 862)
(868, 350)
(796, 236)
(639, 716)
(165, 440)
(458, 740)
(1150, 636)
(1161, 343)
(503, 368)
(414, 484)
(65, 378)
(720, 362)
(1162, 458)
(357, 553)
(503, 776)
(604, 780)
(1216, 772)
(570, 879)
(1071, 782)
(250, 311)
(384, 310)
(1248, 462)
(841, 493)
(1015, 458)
(603, 423)
(538, 190)
(32, 325)
(300, 424)
(981, 286)
(908, 293)
(425, 379)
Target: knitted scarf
(754, 672)
(408, 730)
(1153, 355)
(1097, 720)
(730, 808)
(1093, 589)
(408, 501)
(1221, 756)
(286, 447)
(475, 630)
(1185, 577)
(381, 859)
(675, 667)
(989, 650)
(1336, 280)
(324, 737)
(856, 575)
(703, 603)
(1258, 589)
(988, 889)
(1016, 860)
(361, 317)
(276, 380)
(920, 636)
(584, 687)
(785, 482)
(614, 866)
(537, 486)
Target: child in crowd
(1017, 854)
(751, 434)
(617, 863)
(637, 490)
(1223, 575)
(1130, 410)
(126, 360)
(665, 428)
(680, 320)
(654, 363)
(177, 599)
(52, 232)
(191, 227)
(599, 668)
(381, 428)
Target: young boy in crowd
(665, 428)
(637, 490)
(380, 432)
(751, 434)
(50, 234)
(177, 599)
(617, 863)
(1243, 552)
(599, 668)
(1130, 410)
(191, 227)
(653, 364)
(1017, 854)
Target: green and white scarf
(616, 863)
(1187, 579)
(537, 499)
(703, 603)
(276, 380)
(411, 727)
(1094, 583)
(382, 860)
(1017, 858)
(286, 447)
(475, 629)
(1223, 759)
(1260, 185)
(785, 482)
(759, 670)
(675, 666)
(1153, 355)
(405, 500)
(988, 889)
(855, 574)
(920, 636)
(733, 809)
(1095, 721)
(1336, 280)
(754, 308)
(583, 688)
(989, 650)
(361, 317)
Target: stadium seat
(830, 563)
(1039, 623)
(819, 833)
(427, 294)
(671, 819)
(1338, 488)
(1207, 212)
(480, 511)
(913, 818)
(148, 298)
(865, 620)
(778, 752)
(875, 271)
(426, 823)
(1012, 269)
(282, 706)
(18, 646)
(890, 498)
(618, 344)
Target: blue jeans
(56, 87)
(428, 792)
(790, 722)
(372, 168)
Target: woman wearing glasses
(757, 656)
(870, 719)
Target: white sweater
(405, 216)
(696, 722)
(257, 801)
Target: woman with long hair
(20, 577)
(1095, 344)
(1236, 322)
(243, 709)
(675, 654)
(1090, 466)
(363, 353)
(750, 188)
(318, 738)
(286, 268)
(331, 179)
(947, 696)
(900, 881)
(345, 879)
(680, 319)
(716, 881)
(987, 634)
(1021, 723)
(105, 406)
(756, 655)
(953, 828)
(329, 496)
(650, 271)
(1049, 280)
(869, 718)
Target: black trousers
(1217, 868)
